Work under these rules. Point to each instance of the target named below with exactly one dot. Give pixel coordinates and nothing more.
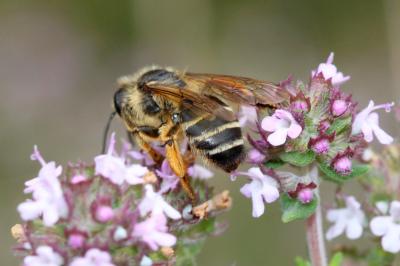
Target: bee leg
(178, 166)
(146, 147)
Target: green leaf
(301, 262)
(379, 257)
(339, 125)
(300, 159)
(293, 209)
(275, 163)
(332, 175)
(337, 259)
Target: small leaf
(301, 262)
(332, 175)
(275, 163)
(337, 259)
(339, 125)
(294, 209)
(300, 159)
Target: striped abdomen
(218, 140)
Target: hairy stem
(315, 236)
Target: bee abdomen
(220, 141)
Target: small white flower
(367, 122)
(93, 257)
(48, 198)
(262, 188)
(115, 169)
(45, 256)
(153, 202)
(329, 71)
(349, 219)
(283, 125)
(388, 227)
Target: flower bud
(342, 165)
(255, 156)
(104, 213)
(305, 195)
(76, 240)
(339, 107)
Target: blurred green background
(59, 61)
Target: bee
(165, 105)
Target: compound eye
(119, 100)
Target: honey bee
(165, 105)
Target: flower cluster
(317, 128)
(114, 212)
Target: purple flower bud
(339, 107)
(343, 165)
(305, 195)
(104, 213)
(321, 146)
(255, 156)
(300, 103)
(76, 240)
(324, 125)
(342, 162)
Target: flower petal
(258, 204)
(380, 225)
(269, 123)
(294, 130)
(391, 241)
(354, 229)
(278, 137)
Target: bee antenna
(106, 129)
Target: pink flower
(247, 115)
(48, 198)
(388, 228)
(262, 188)
(45, 256)
(282, 124)
(329, 71)
(115, 169)
(93, 257)
(367, 122)
(349, 219)
(153, 202)
(200, 172)
(153, 231)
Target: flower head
(45, 256)
(153, 231)
(93, 257)
(48, 198)
(388, 227)
(349, 219)
(329, 71)
(282, 124)
(367, 122)
(262, 188)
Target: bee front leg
(146, 147)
